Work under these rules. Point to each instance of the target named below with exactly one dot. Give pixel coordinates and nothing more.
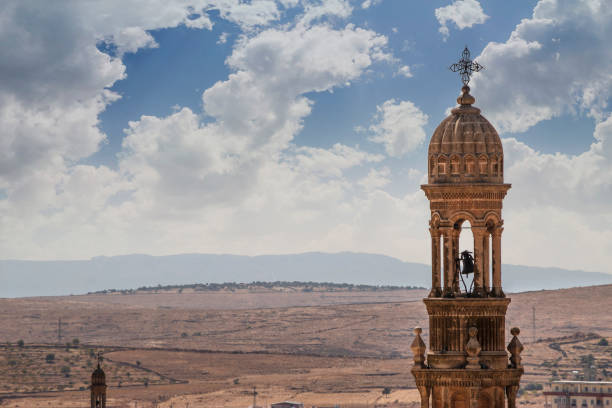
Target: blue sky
(279, 126)
(188, 61)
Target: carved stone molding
(467, 378)
(467, 306)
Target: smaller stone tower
(98, 386)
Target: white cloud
(464, 13)
(223, 38)
(316, 10)
(554, 63)
(404, 71)
(234, 184)
(237, 182)
(369, 3)
(558, 61)
(376, 179)
(559, 204)
(330, 162)
(398, 125)
(131, 39)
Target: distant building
(287, 404)
(578, 394)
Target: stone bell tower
(467, 364)
(98, 387)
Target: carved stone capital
(435, 292)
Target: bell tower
(98, 386)
(467, 364)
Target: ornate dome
(465, 147)
(98, 377)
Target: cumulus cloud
(54, 80)
(235, 183)
(376, 179)
(223, 38)
(464, 13)
(404, 71)
(330, 8)
(555, 62)
(369, 3)
(559, 204)
(398, 125)
(257, 111)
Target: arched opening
(494, 167)
(490, 263)
(442, 261)
(488, 279)
(441, 165)
(454, 164)
(482, 164)
(459, 400)
(466, 243)
(470, 166)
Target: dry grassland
(209, 351)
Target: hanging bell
(468, 263)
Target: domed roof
(98, 377)
(465, 147)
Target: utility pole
(254, 397)
(59, 331)
(534, 325)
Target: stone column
(511, 391)
(478, 260)
(436, 287)
(485, 260)
(424, 391)
(448, 263)
(455, 255)
(497, 286)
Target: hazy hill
(40, 278)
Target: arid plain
(321, 347)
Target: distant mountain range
(50, 278)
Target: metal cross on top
(100, 358)
(466, 66)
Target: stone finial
(472, 349)
(465, 99)
(418, 348)
(515, 348)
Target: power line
(534, 324)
